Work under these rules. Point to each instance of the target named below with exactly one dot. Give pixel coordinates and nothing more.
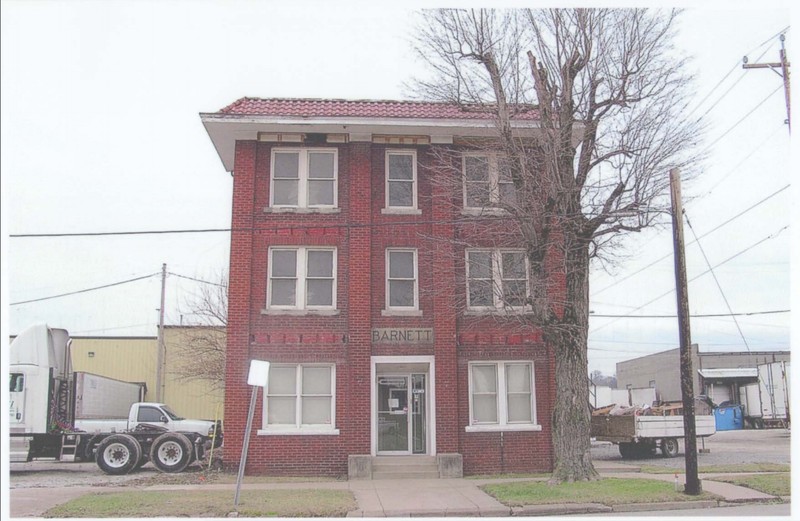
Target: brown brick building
(388, 320)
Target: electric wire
(709, 232)
(771, 236)
(742, 119)
(84, 290)
(735, 67)
(196, 280)
(716, 280)
(704, 315)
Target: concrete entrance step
(405, 467)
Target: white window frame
(299, 428)
(414, 209)
(402, 309)
(497, 279)
(502, 423)
(493, 161)
(301, 274)
(303, 179)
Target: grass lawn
(722, 469)
(607, 491)
(773, 484)
(252, 503)
(511, 475)
(196, 476)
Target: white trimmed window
(502, 396)
(301, 278)
(401, 280)
(497, 279)
(486, 182)
(401, 180)
(304, 178)
(300, 398)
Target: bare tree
(609, 94)
(201, 347)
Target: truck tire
(626, 450)
(669, 447)
(171, 452)
(118, 454)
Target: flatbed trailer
(639, 435)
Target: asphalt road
(724, 448)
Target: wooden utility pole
(693, 486)
(783, 65)
(160, 356)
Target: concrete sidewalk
(415, 498)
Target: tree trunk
(568, 338)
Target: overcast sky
(100, 132)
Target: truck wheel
(669, 447)
(118, 454)
(626, 450)
(171, 452)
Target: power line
(695, 277)
(716, 280)
(709, 232)
(735, 67)
(196, 280)
(84, 290)
(707, 315)
(743, 118)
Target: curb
(668, 505)
(563, 509)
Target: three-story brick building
(358, 271)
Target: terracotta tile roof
(358, 109)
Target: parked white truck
(766, 402)
(73, 416)
(640, 436)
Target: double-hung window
(302, 278)
(304, 178)
(401, 280)
(300, 398)
(401, 181)
(487, 182)
(497, 279)
(502, 396)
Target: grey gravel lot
(725, 448)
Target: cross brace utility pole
(783, 65)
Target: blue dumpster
(729, 418)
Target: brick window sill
(495, 312)
(298, 432)
(401, 313)
(301, 312)
(479, 212)
(503, 428)
(401, 211)
(270, 209)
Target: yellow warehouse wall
(194, 398)
(133, 359)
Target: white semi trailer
(55, 412)
(766, 402)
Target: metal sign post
(259, 373)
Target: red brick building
(388, 321)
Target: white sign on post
(257, 377)
(259, 372)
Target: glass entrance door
(402, 414)
(393, 416)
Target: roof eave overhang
(226, 129)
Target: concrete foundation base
(359, 466)
(450, 465)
